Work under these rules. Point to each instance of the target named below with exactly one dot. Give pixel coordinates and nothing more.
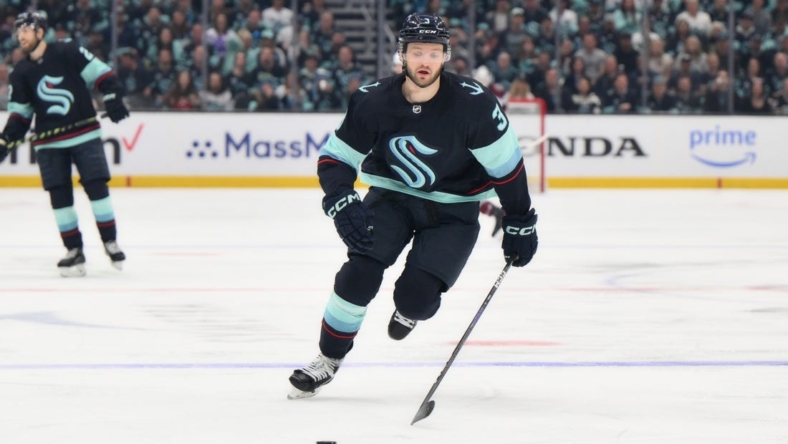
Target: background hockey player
(431, 145)
(52, 82)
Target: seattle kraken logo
(405, 149)
(61, 98)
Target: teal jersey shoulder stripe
(502, 156)
(74, 141)
(435, 196)
(93, 70)
(337, 149)
(23, 109)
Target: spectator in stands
(717, 98)
(568, 18)
(311, 14)
(513, 36)
(761, 19)
(550, 90)
(660, 100)
(687, 102)
(164, 41)
(605, 84)
(627, 18)
(775, 77)
(238, 80)
(163, 76)
(661, 19)
(183, 95)
(779, 12)
(583, 101)
(136, 79)
(696, 56)
(718, 12)
(712, 70)
(699, 21)
(457, 65)
(593, 58)
(757, 102)
(622, 100)
(317, 85)
(217, 97)
(743, 85)
(684, 69)
(781, 101)
(533, 12)
(675, 42)
(502, 70)
(179, 25)
(577, 73)
(659, 63)
(498, 18)
(267, 70)
(345, 69)
(220, 35)
(526, 59)
(519, 92)
(277, 16)
(626, 54)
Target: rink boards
(281, 150)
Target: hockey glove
(3, 146)
(116, 110)
(352, 219)
(519, 238)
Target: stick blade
(424, 411)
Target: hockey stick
(537, 142)
(53, 132)
(427, 405)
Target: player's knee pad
(358, 281)
(417, 294)
(96, 189)
(61, 197)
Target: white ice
(646, 317)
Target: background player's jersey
(456, 147)
(56, 89)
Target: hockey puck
(326, 442)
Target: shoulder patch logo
(371, 85)
(61, 98)
(476, 89)
(404, 149)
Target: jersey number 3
(498, 115)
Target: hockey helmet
(34, 20)
(420, 27)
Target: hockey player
(431, 145)
(52, 82)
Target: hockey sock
(341, 322)
(105, 218)
(67, 223)
(98, 193)
(62, 200)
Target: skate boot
(308, 381)
(115, 255)
(73, 265)
(400, 326)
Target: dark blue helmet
(420, 27)
(35, 20)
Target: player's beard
(421, 83)
(32, 46)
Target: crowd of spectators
(579, 56)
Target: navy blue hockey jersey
(456, 147)
(55, 89)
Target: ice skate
(400, 326)
(73, 265)
(308, 381)
(115, 255)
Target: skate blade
(299, 394)
(118, 265)
(74, 271)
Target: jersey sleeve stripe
(336, 148)
(21, 110)
(93, 71)
(501, 157)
